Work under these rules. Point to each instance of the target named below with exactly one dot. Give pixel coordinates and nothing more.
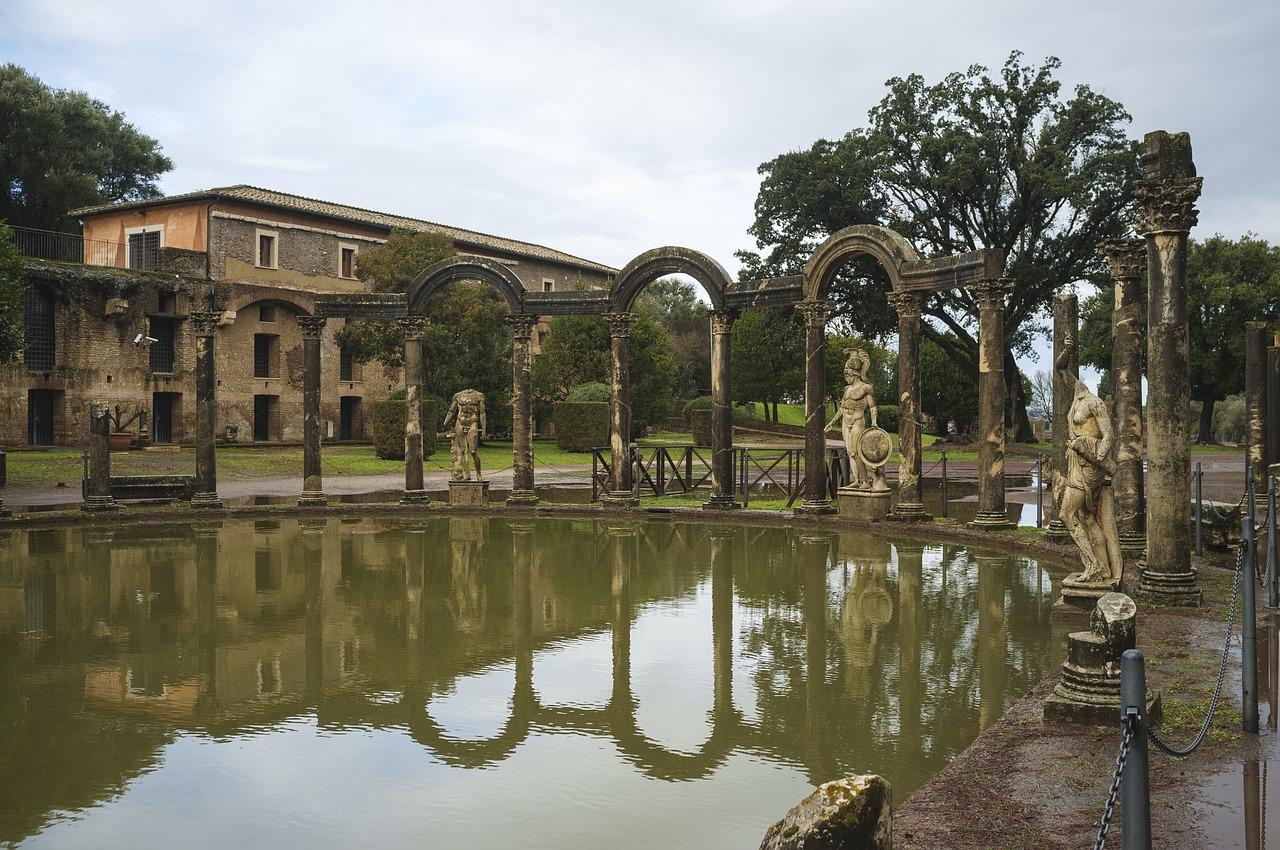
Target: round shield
(875, 446)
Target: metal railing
(74, 248)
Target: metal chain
(1126, 741)
(1222, 671)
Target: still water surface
(470, 682)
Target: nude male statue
(851, 414)
(466, 412)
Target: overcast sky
(607, 131)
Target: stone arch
(891, 250)
(302, 304)
(651, 265)
(466, 267)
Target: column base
(1163, 588)
(1133, 546)
(414, 497)
(721, 502)
(208, 501)
(313, 499)
(619, 499)
(5, 513)
(1056, 532)
(910, 512)
(992, 521)
(522, 499)
(99, 503)
(815, 507)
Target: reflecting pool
(472, 682)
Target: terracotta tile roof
(326, 209)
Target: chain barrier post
(1273, 589)
(945, 511)
(1249, 621)
(1135, 791)
(1039, 489)
(1199, 511)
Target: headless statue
(466, 412)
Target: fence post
(1039, 489)
(1135, 790)
(1273, 589)
(1249, 621)
(1199, 512)
(945, 505)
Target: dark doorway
(164, 407)
(41, 405)
(349, 426)
(264, 408)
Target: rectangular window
(346, 366)
(347, 261)
(267, 249)
(266, 361)
(548, 285)
(142, 246)
(38, 314)
(267, 313)
(162, 349)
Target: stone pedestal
(1089, 690)
(1078, 598)
(469, 492)
(863, 504)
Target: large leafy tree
(674, 304)
(62, 149)
(12, 286)
(767, 359)
(1002, 161)
(1229, 282)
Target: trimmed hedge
(700, 425)
(702, 402)
(388, 427)
(595, 391)
(581, 425)
(887, 417)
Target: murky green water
(481, 683)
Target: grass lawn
(696, 500)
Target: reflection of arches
(893, 252)
(458, 752)
(651, 265)
(466, 267)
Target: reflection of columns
(312, 484)
(620, 493)
(1066, 320)
(722, 539)
(204, 324)
(415, 547)
(1255, 402)
(910, 570)
(1166, 213)
(991, 508)
(415, 328)
(1125, 258)
(815, 315)
(313, 533)
(521, 606)
(622, 540)
(991, 639)
(206, 613)
(522, 486)
(721, 411)
(910, 504)
(98, 490)
(814, 550)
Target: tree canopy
(1002, 161)
(767, 359)
(12, 287)
(62, 149)
(674, 304)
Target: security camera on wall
(143, 339)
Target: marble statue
(466, 412)
(854, 406)
(1083, 493)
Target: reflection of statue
(1086, 504)
(467, 414)
(857, 400)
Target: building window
(267, 249)
(142, 246)
(346, 365)
(37, 310)
(266, 356)
(267, 313)
(347, 261)
(161, 329)
(548, 285)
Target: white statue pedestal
(469, 492)
(863, 504)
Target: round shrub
(581, 425)
(594, 391)
(700, 425)
(887, 417)
(702, 402)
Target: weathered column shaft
(815, 314)
(1255, 402)
(312, 482)
(522, 485)
(991, 391)
(910, 504)
(98, 486)
(204, 324)
(414, 329)
(722, 491)
(620, 421)
(1066, 321)
(1273, 401)
(1166, 199)
(1125, 259)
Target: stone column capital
(1126, 258)
(722, 321)
(204, 323)
(311, 326)
(991, 292)
(619, 324)
(414, 327)
(1167, 206)
(816, 313)
(520, 325)
(908, 304)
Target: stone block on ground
(854, 813)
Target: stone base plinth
(910, 512)
(992, 521)
(414, 497)
(818, 508)
(522, 498)
(1133, 547)
(1170, 588)
(312, 500)
(1056, 532)
(619, 499)
(99, 503)
(1063, 709)
(863, 504)
(1079, 599)
(721, 502)
(469, 492)
(206, 500)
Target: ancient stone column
(1066, 321)
(1273, 400)
(522, 486)
(312, 484)
(991, 508)
(721, 412)
(1125, 258)
(414, 492)
(1166, 213)
(815, 315)
(203, 325)
(910, 506)
(1255, 402)
(97, 495)
(620, 493)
